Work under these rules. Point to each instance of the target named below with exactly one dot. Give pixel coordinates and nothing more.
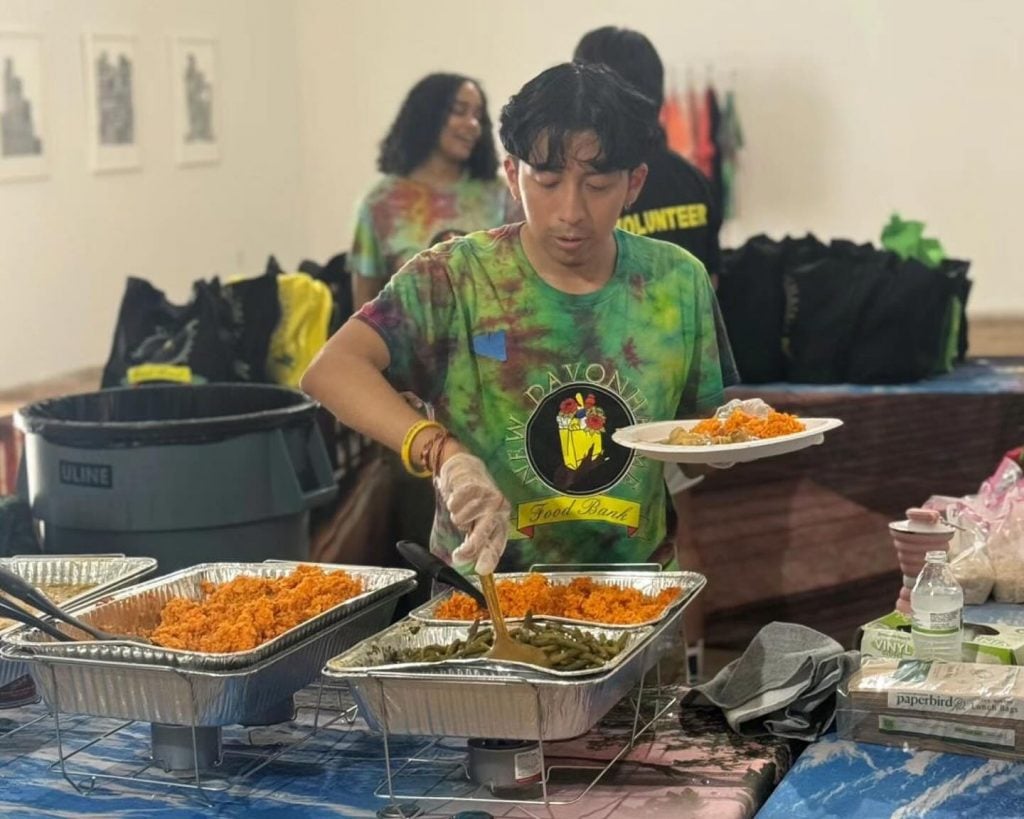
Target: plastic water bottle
(937, 611)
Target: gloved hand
(476, 507)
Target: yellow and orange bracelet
(407, 443)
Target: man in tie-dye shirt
(534, 342)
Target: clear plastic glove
(477, 508)
(485, 543)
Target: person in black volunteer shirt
(677, 204)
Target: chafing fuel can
(508, 767)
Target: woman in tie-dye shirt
(439, 163)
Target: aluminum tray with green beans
(413, 646)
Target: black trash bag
(801, 311)
(254, 312)
(221, 335)
(17, 532)
(273, 267)
(150, 330)
(904, 332)
(336, 275)
(753, 304)
(827, 291)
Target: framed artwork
(24, 149)
(196, 96)
(111, 95)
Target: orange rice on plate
(772, 426)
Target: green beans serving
(569, 649)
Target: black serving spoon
(431, 565)
(12, 612)
(20, 589)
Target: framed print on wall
(196, 96)
(24, 151)
(111, 94)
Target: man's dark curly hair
(414, 133)
(574, 98)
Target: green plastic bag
(906, 239)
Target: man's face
(571, 211)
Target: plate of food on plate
(739, 431)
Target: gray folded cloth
(783, 684)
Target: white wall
(851, 108)
(68, 242)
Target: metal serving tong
(24, 592)
(12, 612)
(423, 561)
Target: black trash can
(185, 474)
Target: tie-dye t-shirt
(535, 381)
(400, 217)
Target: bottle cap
(922, 522)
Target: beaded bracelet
(432, 451)
(407, 442)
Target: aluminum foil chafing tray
(138, 609)
(652, 583)
(180, 695)
(100, 574)
(479, 698)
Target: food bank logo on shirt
(565, 445)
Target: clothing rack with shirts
(702, 124)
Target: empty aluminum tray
(652, 583)
(139, 608)
(473, 698)
(100, 573)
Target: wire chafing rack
(241, 751)
(438, 772)
(189, 706)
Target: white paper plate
(647, 438)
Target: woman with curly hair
(440, 166)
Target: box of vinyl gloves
(890, 637)
(997, 643)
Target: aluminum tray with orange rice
(221, 615)
(227, 640)
(611, 599)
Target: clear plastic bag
(973, 570)
(1006, 550)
